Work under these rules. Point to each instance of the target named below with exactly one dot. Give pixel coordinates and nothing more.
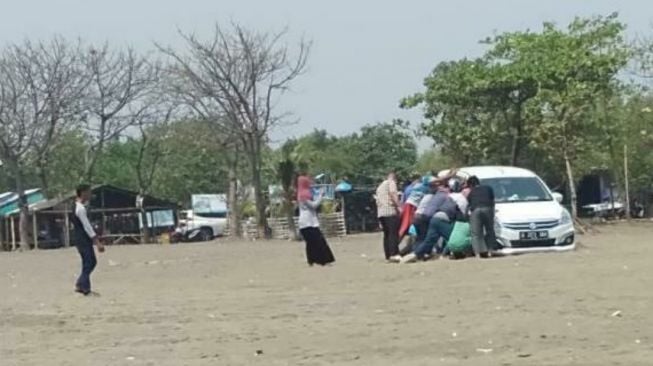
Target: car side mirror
(558, 197)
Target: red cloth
(304, 192)
(407, 215)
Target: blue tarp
(343, 187)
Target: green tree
(383, 147)
(476, 108)
(530, 100)
(434, 159)
(319, 152)
(194, 163)
(573, 67)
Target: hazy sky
(367, 54)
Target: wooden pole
(66, 228)
(104, 216)
(7, 230)
(626, 184)
(572, 187)
(4, 234)
(13, 234)
(35, 230)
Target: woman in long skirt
(317, 249)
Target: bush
(328, 207)
(248, 210)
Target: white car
(529, 216)
(210, 225)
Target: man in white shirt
(85, 238)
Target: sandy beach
(258, 303)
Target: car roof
(486, 172)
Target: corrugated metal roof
(10, 197)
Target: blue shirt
(407, 191)
(417, 194)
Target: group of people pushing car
(441, 215)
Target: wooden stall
(117, 215)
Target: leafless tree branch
(234, 80)
(120, 80)
(40, 85)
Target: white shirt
(308, 214)
(80, 212)
(423, 204)
(461, 201)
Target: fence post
(13, 234)
(35, 230)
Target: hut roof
(103, 197)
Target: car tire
(206, 234)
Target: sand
(228, 303)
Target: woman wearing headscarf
(317, 249)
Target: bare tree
(59, 73)
(119, 81)
(193, 104)
(152, 121)
(39, 84)
(243, 73)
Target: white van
(209, 225)
(529, 216)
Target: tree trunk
(516, 147)
(518, 123)
(23, 222)
(89, 169)
(145, 232)
(572, 187)
(261, 218)
(255, 162)
(626, 184)
(43, 177)
(92, 157)
(232, 201)
(289, 209)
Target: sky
(366, 54)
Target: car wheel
(206, 234)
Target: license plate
(533, 235)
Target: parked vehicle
(529, 216)
(605, 210)
(203, 226)
(637, 210)
(182, 235)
